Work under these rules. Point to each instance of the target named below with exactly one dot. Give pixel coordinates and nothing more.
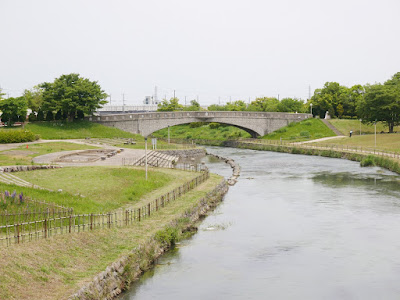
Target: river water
(293, 227)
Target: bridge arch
(256, 123)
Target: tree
(382, 103)
(264, 104)
(194, 106)
(171, 105)
(34, 98)
(291, 105)
(72, 93)
(216, 107)
(238, 105)
(13, 110)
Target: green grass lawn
(76, 130)
(345, 125)
(301, 131)
(23, 156)
(97, 189)
(388, 142)
(204, 131)
(57, 267)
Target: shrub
(369, 161)
(17, 136)
(305, 134)
(307, 123)
(168, 236)
(196, 124)
(214, 125)
(318, 136)
(281, 130)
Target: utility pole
(155, 95)
(219, 100)
(174, 93)
(110, 99)
(123, 102)
(309, 92)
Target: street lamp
(311, 107)
(145, 154)
(375, 133)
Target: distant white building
(149, 100)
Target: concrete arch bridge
(255, 123)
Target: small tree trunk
(391, 127)
(71, 116)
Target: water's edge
(119, 275)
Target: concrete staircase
(12, 179)
(156, 159)
(333, 128)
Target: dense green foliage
(382, 103)
(263, 104)
(304, 130)
(336, 99)
(72, 96)
(16, 136)
(170, 105)
(76, 130)
(14, 110)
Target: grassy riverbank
(55, 268)
(345, 125)
(387, 142)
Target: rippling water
(293, 227)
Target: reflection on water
(293, 227)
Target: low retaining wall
(27, 168)
(185, 153)
(120, 274)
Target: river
(293, 227)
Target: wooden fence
(53, 224)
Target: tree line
(68, 97)
(370, 103)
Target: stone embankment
(118, 276)
(235, 168)
(185, 153)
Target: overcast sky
(208, 48)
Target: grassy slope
(76, 130)
(314, 128)
(103, 188)
(202, 132)
(344, 126)
(24, 155)
(57, 267)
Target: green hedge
(17, 136)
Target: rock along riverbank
(119, 275)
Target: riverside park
(80, 218)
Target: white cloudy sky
(210, 48)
